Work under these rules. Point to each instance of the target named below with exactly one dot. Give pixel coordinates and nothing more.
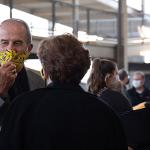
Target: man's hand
(7, 77)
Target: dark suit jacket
(61, 117)
(137, 128)
(26, 80)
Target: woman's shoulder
(111, 93)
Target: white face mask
(136, 83)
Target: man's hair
(139, 73)
(14, 20)
(64, 58)
(122, 74)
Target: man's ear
(30, 47)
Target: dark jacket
(61, 117)
(137, 98)
(116, 100)
(26, 80)
(147, 104)
(137, 128)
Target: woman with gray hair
(63, 115)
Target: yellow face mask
(16, 58)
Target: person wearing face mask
(104, 82)
(138, 93)
(15, 47)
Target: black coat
(147, 104)
(137, 128)
(117, 101)
(26, 80)
(20, 85)
(61, 117)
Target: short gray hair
(139, 73)
(15, 20)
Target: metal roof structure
(96, 17)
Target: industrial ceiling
(92, 16)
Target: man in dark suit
(63, 115)
(15, 46)
(136, 125)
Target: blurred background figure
(138, 93)
(136, 123)
(124, 80)
(104, 82)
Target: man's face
(13, 36)
(138, 78)
(13, 44)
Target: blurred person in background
(136, 123)
(124, 80)
(104, 82)
(138, 93)
(63, 115)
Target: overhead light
(100, 38)
(144, 31)
(84, 37)
(94, 38)
(146, 55)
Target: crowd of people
(63, 115)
